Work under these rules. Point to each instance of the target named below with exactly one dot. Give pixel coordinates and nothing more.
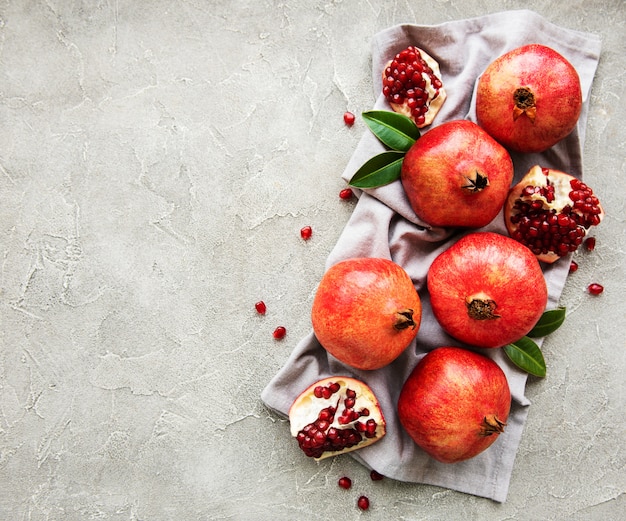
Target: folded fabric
(384, 225)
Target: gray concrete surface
(157, 161)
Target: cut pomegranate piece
(336, 415)
(413, 85)
(550, 212)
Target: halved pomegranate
(336, 415)
(550, 212)
(413, 86)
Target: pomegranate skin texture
(551, 212)
(456, 175)
(529, 99)
(366, 312)
(454, 404)
(487, 290)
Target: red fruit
(590, 243)
(454, 404)
(529, 99)
(260, 307)
(345, 482)
(573, 266)
(595, 288)
(366, 312)
(363, 503)
(376, 476)
(279, 333)
(551, 212)
(336, 415)
(487, 290)
(306, 233)
(457, 175)
(413, 86)
(346, 194)
(348, 118)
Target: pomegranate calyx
(491, 425)
(478, 184)
(524, 104)
(404, 320)
(481, 307)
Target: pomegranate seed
(346, 194)
(376, 476)
(260, 307)
(306, 233)
(590, 243)
(573, 266)
(595, 288)
(348, 118)
(345, 482)
(363, 503)
(279, 332)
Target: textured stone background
(157, 161)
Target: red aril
(348, 118)
(376, 476)
(306, 233)
(487, 290)
(346, 194)
(366, 311)
(279, 333)
(336, 415)
(529, 99)
(595, 288)
(590, 243)
(345, 482)
(456, 175)
(550, 212)
(573, 266)
(363, 503)
(454, 404)
(413, 86)
(260, 307)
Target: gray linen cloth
(384, 225)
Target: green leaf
(396, 131)
(380, 170)
(550, 321)
(526, 355)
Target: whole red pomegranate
(336, 415)
(551, 212)
(413, 86)
(457, 175)
(454, 404)
(529, 98)
(487, 290)
(366, 312)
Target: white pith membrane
(436, 95)
(559, 185)
(357, 420)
